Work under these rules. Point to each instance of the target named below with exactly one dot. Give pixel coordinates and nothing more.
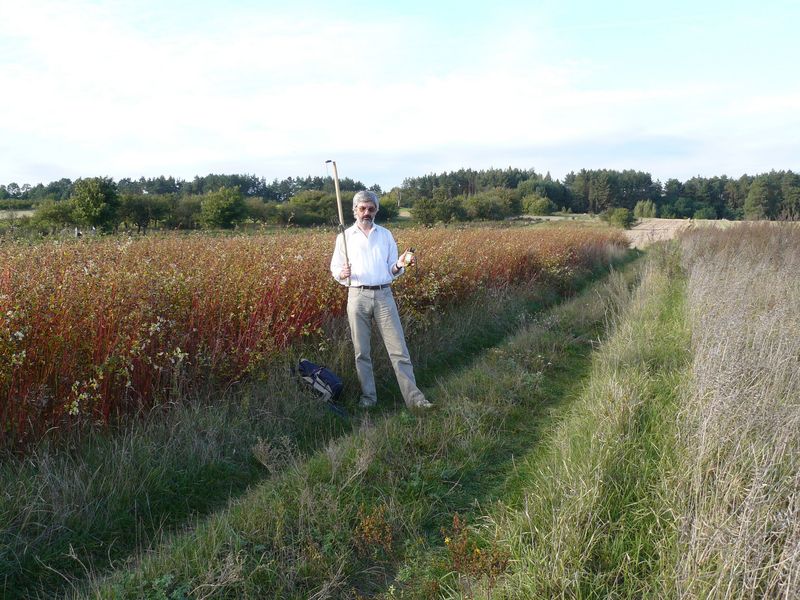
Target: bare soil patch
(648, 231)
(15, 214)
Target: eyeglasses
(368, 209)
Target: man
(373, 266)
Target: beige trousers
(362, 307)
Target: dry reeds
(740, 491)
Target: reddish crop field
(98, 328)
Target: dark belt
(371, 287)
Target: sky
(390, 90)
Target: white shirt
(371, 256)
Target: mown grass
(344, 521)
(593, 517)
(79, 504)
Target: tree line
(465, 193)
(225, 201)
(250, 186)
(214, 201)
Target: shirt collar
(353, 229)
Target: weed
(373, 534)
(472, 560)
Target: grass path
(592, 515)
(348, 521)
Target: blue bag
(323, 382)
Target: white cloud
(95, 91)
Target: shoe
(367, 402)
(423, 404)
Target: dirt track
(648, 231)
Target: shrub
(141, 209)
(261, 212)
(705, 212)
(51, 216)
(389, 210)
(185, 213)
(313, 207)
(644, 209)
(15, 204)
(449, 209)
(424, 211)
(618, 217)
(493, 205)
(222, 209)
(537, 205)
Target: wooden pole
(341, 214)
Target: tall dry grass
(740, 426)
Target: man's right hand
(345, 272)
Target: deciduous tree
(222, 209)
(95, 201)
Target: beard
(364, 220)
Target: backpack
(324, 383)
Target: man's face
(365, 213)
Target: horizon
(387, 190)
(147, 89)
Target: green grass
(349, 518)
(591, 516)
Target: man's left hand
(406, 259)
